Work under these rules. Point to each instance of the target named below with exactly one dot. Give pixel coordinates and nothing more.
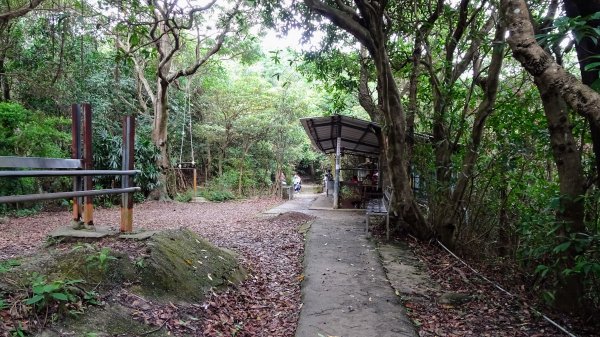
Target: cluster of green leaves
(247, 122)
(100, 259)
(45, 293)
(34, 134)
(186, 196)
(217, 195)
(8, 265)
(107, 147)
(27, 133)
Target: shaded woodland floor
(266, 304)
(271, 248)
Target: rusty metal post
(76, 154)
(127, 164)
(88, 164)
(195, 182)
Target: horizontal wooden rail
(72, 173)
(65, 195)
(38, 162)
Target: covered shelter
(343, 135)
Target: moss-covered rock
(113, 320)
(76, 263)
(176, 266)
(183, 266)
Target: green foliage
(107, 142)
(31, 134)
(45, 293)
(3, 304)
(186, 196)
(217, 195)
(7, 265)
(22, 212)
(100, 259)
(140, 263)
(18, 331)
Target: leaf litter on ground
(270, 248)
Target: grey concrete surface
(345, 292)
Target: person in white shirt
(297, 182)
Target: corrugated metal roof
(358, 137)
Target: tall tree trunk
(4, 86)
(220, 161)
(484, 110)
(208, 161)
(165, 30)
(241, 168)
(159, 136)
(366, 22)
(570, 212)
(395, 144)
(587, 49)
(557, 87)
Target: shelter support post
(380, 173)
(336, 184)
(127, 164)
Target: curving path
(345, 291)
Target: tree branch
(5, 17)
(541, 65)
(343, 20)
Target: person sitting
(297, 182)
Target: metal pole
(127, 164)
(336, 184)
(64, 195)
(195, 182)
(66, 173)
(379, 173)
(88, 210)
(76, 154)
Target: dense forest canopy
(505, 90)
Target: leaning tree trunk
(587, 50)
(557, 87)
(483, 111)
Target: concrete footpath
(345, 292)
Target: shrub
(217, 195)
(186, 196)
